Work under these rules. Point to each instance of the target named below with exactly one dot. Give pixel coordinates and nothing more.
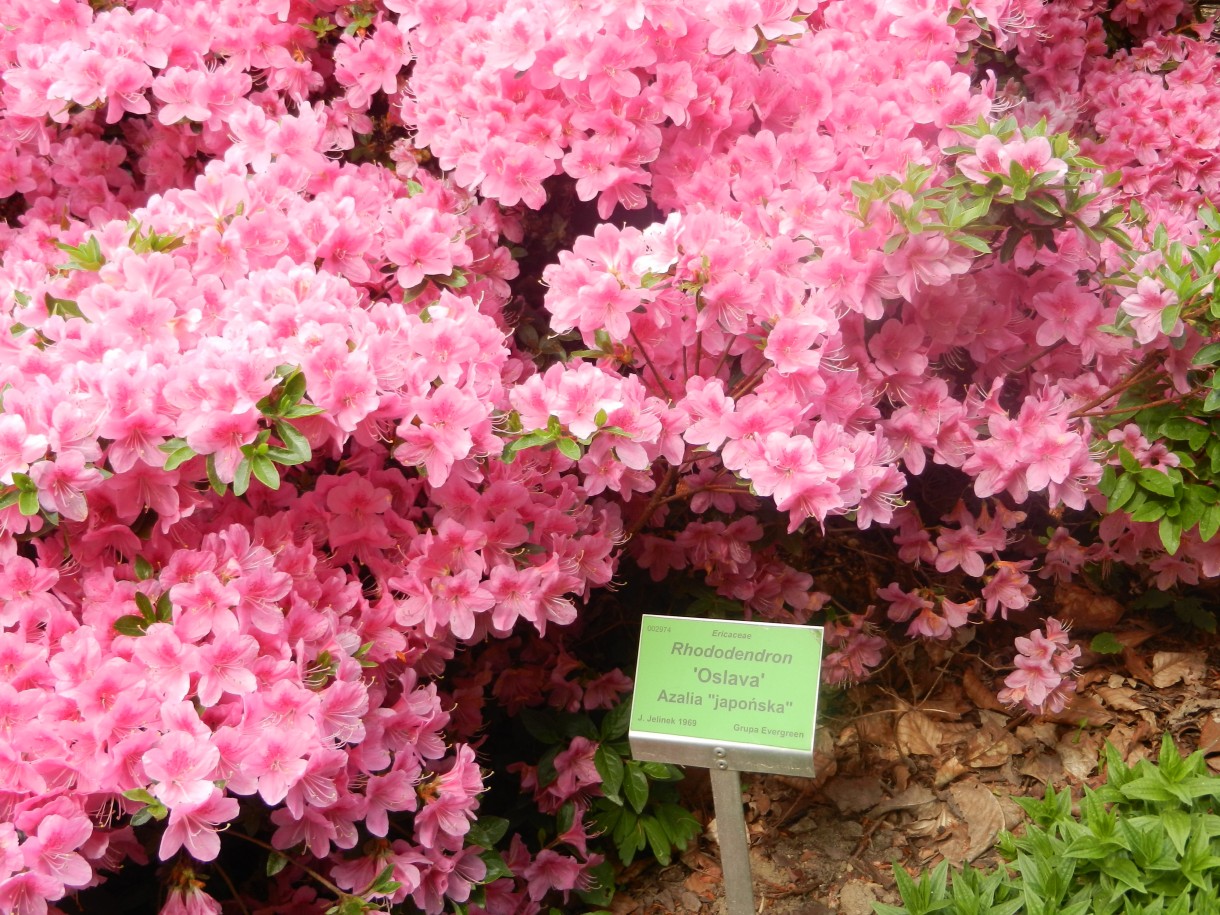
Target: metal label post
(730, 697)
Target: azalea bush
(355, 352)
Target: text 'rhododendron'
(354, 353)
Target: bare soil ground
(922, 763)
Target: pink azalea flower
(183, 766)
(62, 484)
(52, 850)
(1145, 307)
(194, 827)
(18, 447)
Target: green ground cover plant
(1145, 842)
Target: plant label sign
(726, 695)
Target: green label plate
(726, 694)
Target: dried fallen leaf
(851, 795)
(623, 904)
(1189, 709)
(1085, 610)
(918, 735)
(979, 692)
(991, 747)
(1170, 667)
(1119, 698)
(914, 796)
(1137, 666)
(876, 729)
(1133, 638)
(1035, 731)
(1120, 736)
(1209, 735)
(983, 815)
(956, 732)
(825, 764)
(1079, 754)
(949, 770)
(1082, 710)
(932, 825)
(1043, 768)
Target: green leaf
(455, 280)
(529, 440)
(264, 471)
(1169, 317)
(569, 448)
(64, 308)
(1194, 613)
(600, 891)
(617, 721)
(297, 411)
(383, 884)
(540, 725)
(1180, 428)
(1171, 534)
(130, 625)
(27, 503)
(147, 814)
(294, 389)
(635, 786)
(143, 569)
(973, 242)
(580, 725)
(628, 836)
(496, 867)
(1124, 489)
(276, 862)
(178, 453)
(487, 831)
(661, 772)
(1105, 643)
(680, 824)
(1157, 482)
(658, 842)
(1128, 461)
(610, 767)
(145, 605)
(85, 256)
(296, 448)
(1209, 523)
(1176, 824)
(241, 477)
(218, 486)
(1148, 511)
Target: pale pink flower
(194, 827)
(1145, 307)
(183, 767)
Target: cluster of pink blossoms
(272, 457)
(1044, 664)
